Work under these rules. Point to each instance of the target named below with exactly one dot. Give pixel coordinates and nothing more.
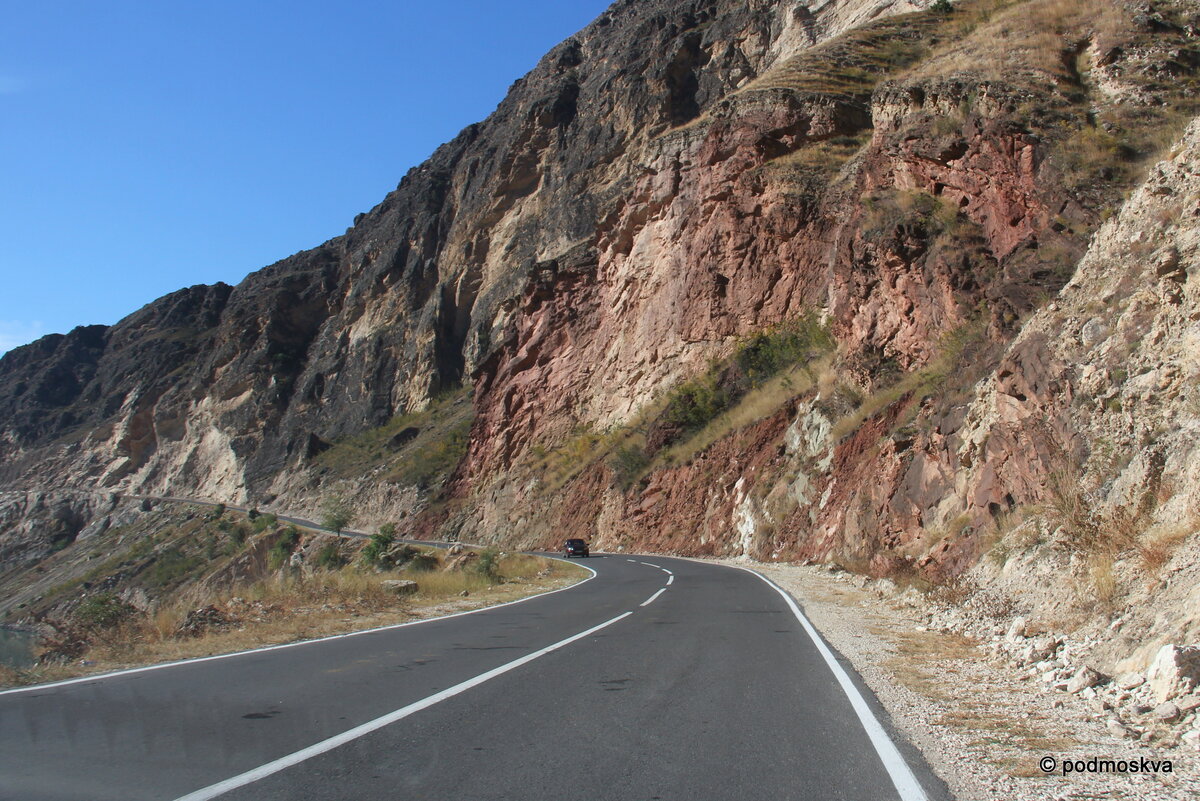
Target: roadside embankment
(193, 581)
(980, 712)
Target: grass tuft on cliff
(417, 449)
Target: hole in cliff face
(454, 322)
(683, 86)
(404, 437)
(721, 285)
(953, 152)
(570, 56)
(565, 105)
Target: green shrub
(422, 562)
(171, 566)
(374, 553)
(282, 549)
(336, 513)
(330, 556)
(237, 533)
(767, 353)
(428, 466)
(263, 522)
(694, 403)
(102, 611)
(627, 463)
(488, 564)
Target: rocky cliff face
(609, 260)
(215, 390)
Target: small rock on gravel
(1084, 678)
(1129, 681)
(1166, 712)
(1118, 728)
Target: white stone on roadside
(1166, 712)
(1192, 738)
(1175, 670)
(1118, 728)
(1129, 681)
(1016, 630)
(1093, 331)
(1084, 678)
(1188, 703)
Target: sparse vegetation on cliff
(417, 449)
(938, 172)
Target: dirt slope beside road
(983, 725)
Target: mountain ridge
(715, 278)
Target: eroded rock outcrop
(671, 182)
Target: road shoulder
(981, 725)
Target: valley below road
(657, 678)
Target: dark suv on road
(575, 548)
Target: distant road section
(656, 679)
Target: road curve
(657, 679)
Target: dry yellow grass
(935, 665)
(1160, 543)
(757, 404)
(288, 608)
(998, 38)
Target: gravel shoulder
(983, 722)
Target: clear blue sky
(148, 146)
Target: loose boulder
(1131, 681)
(201, 620)
(1084, 677)
(462, 561)
(1166, 712)
(401, 586)
(1175, 671)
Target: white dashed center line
(651, 599)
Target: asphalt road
(657, 679)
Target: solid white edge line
(281, 646)
(329, 744)
(670, 579)
(893, 762)
(650, 600)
